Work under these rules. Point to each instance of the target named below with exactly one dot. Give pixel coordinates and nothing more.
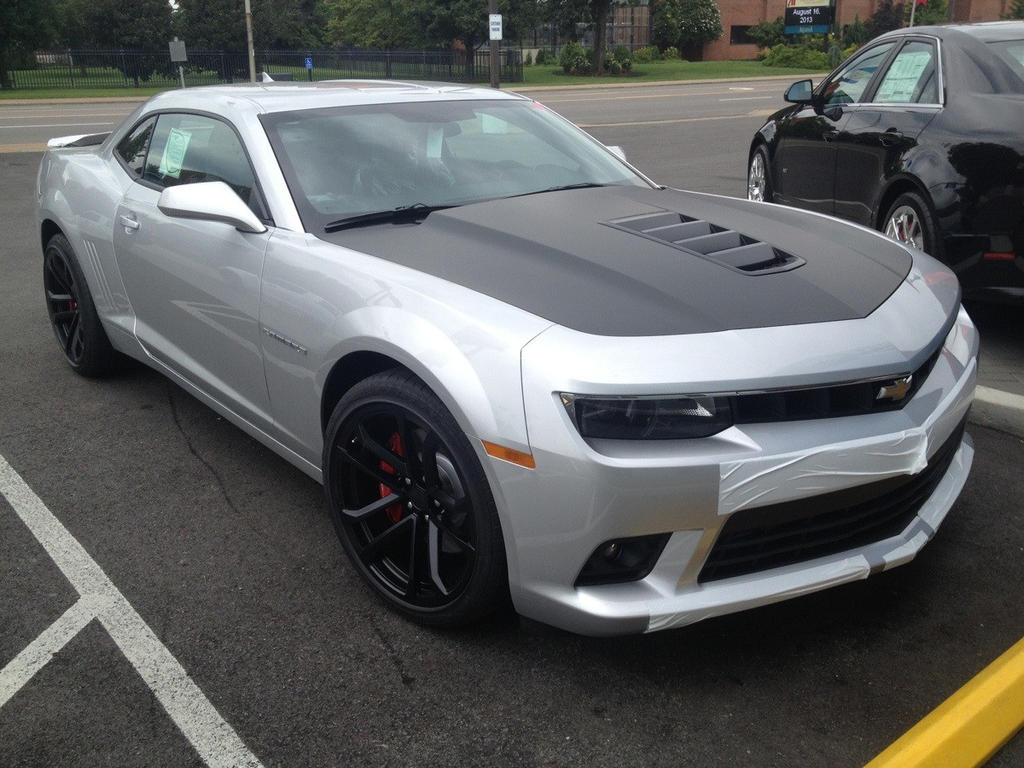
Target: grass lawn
(547, 74)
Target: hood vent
(727, 247)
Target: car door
(195, 285)
(879, 133)
(806, 156)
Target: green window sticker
(174, 152)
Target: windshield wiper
(401, 213)
(561, 187)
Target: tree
(24, 26)
(887, 16)
(768, 33)
(686, 24)
(932, 12)
(384, 24)
(1016, 10)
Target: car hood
(632, 261)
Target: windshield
(345, 161)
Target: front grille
(757, 539)
(829, 401)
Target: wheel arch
(47, 229)
(897, 187)
(348, 371)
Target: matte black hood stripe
(552, 255)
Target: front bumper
(582, 494)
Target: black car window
(911, 77)
(187, 149)
(847, 85)
(132, 148)
(1012, 53)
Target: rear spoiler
(78, 140)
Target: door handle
(891, 138)
(129, 222)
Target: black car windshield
(1012, 52)
(345, 161)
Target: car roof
(988, 32)
(286, 96)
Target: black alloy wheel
(72, 313)
(410, 502)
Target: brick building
(738, 15)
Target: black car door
(805, 156)
(877, 136)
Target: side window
(187, 149)
(132, 148)
(912, 77)
(848, 85)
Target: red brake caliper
(394, 512)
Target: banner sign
(810, 17)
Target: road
(227, 555)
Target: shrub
(796, 56)
(614, 68)
(528, 61)
(543, 57)
(574, 59)
(646, 54)
(670, 54)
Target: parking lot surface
(225, 554)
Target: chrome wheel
(904, 225)
(757, 178)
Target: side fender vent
(710, 241)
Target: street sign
(809, 17)
(178, 54)
(309, 62)
(494, 20)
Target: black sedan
(920, 134)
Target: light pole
(248, 38)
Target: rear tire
(72, 312)
(910, 221)
(411, 504)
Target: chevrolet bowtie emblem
(896, 389)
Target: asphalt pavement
(189, 602)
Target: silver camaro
(519, 367)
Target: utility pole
(248, 38)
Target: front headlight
(647, 418)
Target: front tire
(411, 504)
(72, 312)
(910, 221)
(759, 181)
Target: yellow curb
(968, 727)
(10, 148)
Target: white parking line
(210, 735)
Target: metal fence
(132, 69)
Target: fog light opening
(622, 560)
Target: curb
(968, 727)
(1003, 411)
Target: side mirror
(209, 201)
(800, 92)
(619, 152)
